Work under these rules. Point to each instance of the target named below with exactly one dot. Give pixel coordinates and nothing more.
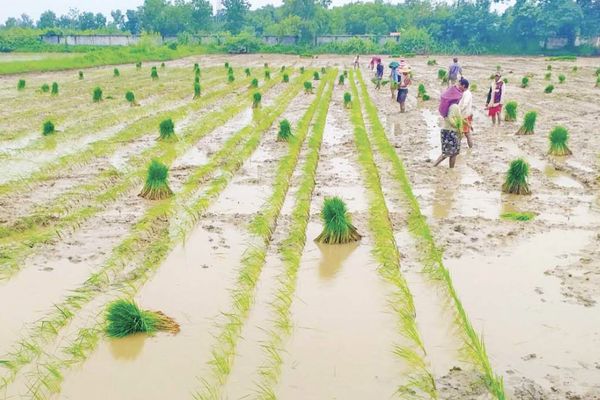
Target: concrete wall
(92, 40)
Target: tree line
(474, 25)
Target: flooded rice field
(445, 296)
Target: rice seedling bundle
(301, 70)
(45, 88)
(125, 318)
(21, 84)
(267, 74)
(230, 78)
(421, 91)
(247, 72)
(525, 82)
(347, 100)
(561, 78)
(197, 90)
(286, 78)
(196, 79)
(338, 228)
(431, 62)
(54, 90)
(162, 65)
(498, 68)
(316, 76)
(138, 65)
(516, 178)
(548, 76)
(426, 97)
(130, 97)
(167, 129)
(346, 73)
(230, 71)
(48, 128)
(116, 73)
(473, 87)
(341, 80)
(505, 80)
(157, 185)
(266, 65)
(226, 65)
(559, 137)
(97, 94)
(80, 75)
(518, 216)
(528, 127)
(154, 73)
(254, 83)
(549, 89)
(282, 68)
(549, 67)
(323, 70)
(510, 111)
(442, 74)
(197, 74)
(256, 100)
(285, 131)
(308, 87)
(196, 66)
(575, 69)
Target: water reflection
(127, 348)
(332, 258)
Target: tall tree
(47, 20)
(133, 23)
(201, 14)
(118, 19)
(235, 12)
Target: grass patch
(157, 185)
(528, 127)
(518, 216)
(337, 225)
(125, 318)
(559, 136)
(516, 178)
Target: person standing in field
(452, 125)
(379, 73)
(466, 110)
(454, 70)
(394, 80)
(403, 85)
(495, 98)
(356, 61)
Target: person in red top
(495, 99)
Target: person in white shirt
(466, 110)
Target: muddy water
(518, 307)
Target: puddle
(433, 134)
(341, 346)
(193, 157)
(235, 199)
(191, 286)
(516, 306)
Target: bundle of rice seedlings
(196, 79)
(230, 78)
(510, 111)
(254, 83)
(558, 142)
(138, 65)
(196, 66)
(505, 80)
(308, 87)
(229, 71)
(338, 228)
(442, 74)
(516, 178)
(421, 91)
(518, 216)
(267, 74)
(473, 87)
(130, 97)
(116, 73)
(48, 128)
(549, 67)
(125, 318)
(54, 89)
(157, 185)
(80, 75)
(197, 90)
(548, 76)
(97, 94)
(256, 99)
(154, 73)
(226, 65)
(528, 127)
(247, 72)
(285, 131)
(549, 89)
(21, 84)
(316, 76)
(562, 78)
(197, 73)
(347, 100)
(286, 78)
(525, 82)
(323, 70)
(426, 97)
(167, 129)
(431, 62)
(162, 65)
(341, 80)
(346, 73)
(282, 68)
(45, 88)
(301, 70)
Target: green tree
(201, 14)
(234, 13)
(47, 20)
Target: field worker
(379, 73)
(404, 70)
(394, 79)
(453, 71)
(495, 98)
(452, 125)
(356, 61)
(466, 110)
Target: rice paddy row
(432, 255)
(144, 248)
(420, 381)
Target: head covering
(451, 96)
(403, 66)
